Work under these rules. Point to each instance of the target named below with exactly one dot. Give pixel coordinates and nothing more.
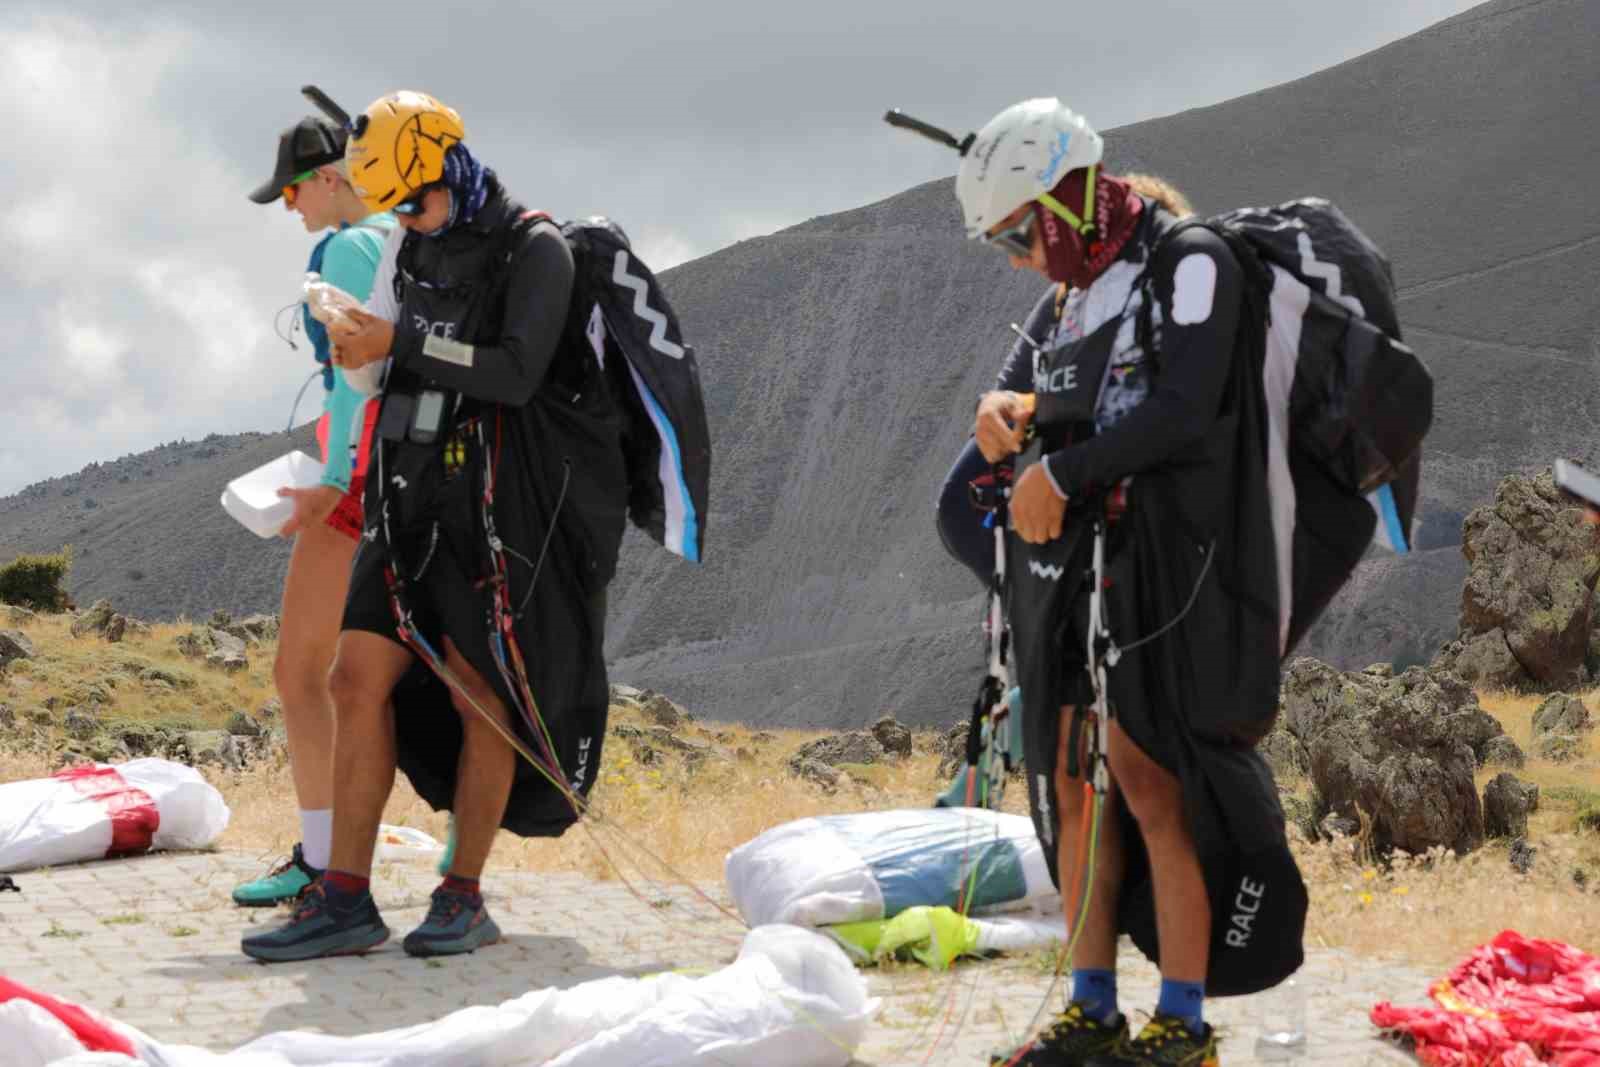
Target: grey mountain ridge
(842, 357)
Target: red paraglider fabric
(94, 1035)
(134, 816)
(1515, 1002)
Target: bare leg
(1183, 911)
(1097, 946)
(313, 602)
(365, 672)
(485, 771)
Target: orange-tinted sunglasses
(290, 191)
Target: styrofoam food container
(253, 498)
(405, 843)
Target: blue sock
(1096, 991)
(1186, 1001)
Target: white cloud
(139, 285)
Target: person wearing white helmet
(1085, 385)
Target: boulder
(1502, 751)
(94, 621)
(1521, 855)
(8, 718)
(816, 771)
(14, 645)
(159, 678)
(1561, 714)
(240, 724)
(1558, 748)
(893, 737)
(661, 711)
(215, 747)
(1531, 569)
(218, 648)
(1507, 803)
(17, 615)
(116, 629)
(1560, 725)
(142, 739)
(1482, 659)
(626, 692)
(257, 627)
(1401, 750)
(227, 660)
(852, 746)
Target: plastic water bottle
(1283, 1023)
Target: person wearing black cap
(309, 178)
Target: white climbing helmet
(1019, 156)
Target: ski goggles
(291, 191)
(1016, 239)
(412, 205)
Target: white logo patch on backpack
(1194, 287)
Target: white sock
(316, 837)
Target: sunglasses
(291, 191)
(1015, 240)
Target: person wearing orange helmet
(474, 627)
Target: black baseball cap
(309, 143)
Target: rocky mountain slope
(842, 357)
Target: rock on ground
(14, 645)
(1531, 569)
(895, 738)
(1403, 750)
(1507, 803)
(852, 746)
(94, 621)
(1502, 751)
(1560, 725)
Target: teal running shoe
(318, 929)
(448, 860)
(284, 882)
(456, 922)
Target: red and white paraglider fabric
(1515, 1002)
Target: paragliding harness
(993, 731)
(622, 314)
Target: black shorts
(443, 599)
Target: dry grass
(70, 669)
(1426, 910)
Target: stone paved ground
(154, 941)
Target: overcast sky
(141, 285)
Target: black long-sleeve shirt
(1198, 286)
(450, 274)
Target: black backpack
(1352, 400)
(622, 313)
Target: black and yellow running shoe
(1165, 1041)
(1068, 1042)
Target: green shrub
(37, 582)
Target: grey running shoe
(316, 929)
(456, 922)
